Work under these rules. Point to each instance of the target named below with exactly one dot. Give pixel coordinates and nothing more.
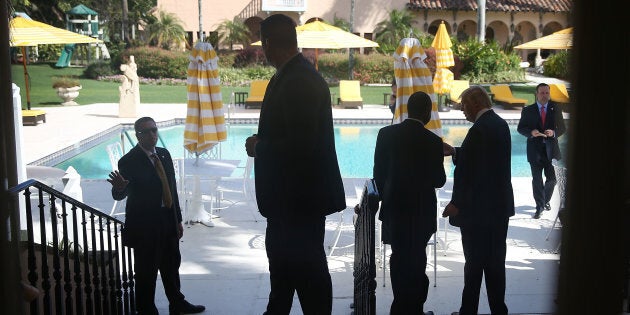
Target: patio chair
(342, 225)
(455, 95)
(502, 94)
(256, 93)
(242, 185)
(115, 152)
(350, 94)
(561, 176)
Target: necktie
(166, 192)
(543, 114)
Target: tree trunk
(125, 22)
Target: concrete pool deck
(225, 267)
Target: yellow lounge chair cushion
(257, 91)
(32, 117)
(502, 93)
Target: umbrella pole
(316, 53)
(26, 79)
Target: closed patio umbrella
(205, 122)
(443, 60)
(27, 32)
(413, 75)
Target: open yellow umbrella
(205, 121)
(25, 32)
(562, 39)
(443, 60)
(320, 35)
(413, 75)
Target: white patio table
(207, 169)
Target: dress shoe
(547, 206)
(428, 313)
(186, 308)
(455, 313)
(536, 215)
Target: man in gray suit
(298, 181)
(482, 201)
(408, 167)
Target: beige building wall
(504, 26)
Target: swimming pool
(355, 149)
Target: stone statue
(129, 90)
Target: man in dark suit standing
(153, 219)
(408, 167)
(542, 123)
(482, 201)
(298, 181)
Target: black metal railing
(73, 253)
(364, 256)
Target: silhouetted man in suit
(542, 144)
(408, 167)
(482, 201)
(298, 181)
(153, 219)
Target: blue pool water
(355, 149)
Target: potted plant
(67, 88)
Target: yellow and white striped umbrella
(413, 75)
(25, 32)
(442, 44)
(443, 59)
(442, 80)
(205, 121)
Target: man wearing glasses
(153, 219)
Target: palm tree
(166, 31)
(234, 32)
(390, 32)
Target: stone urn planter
(68, 95)
(67, 90)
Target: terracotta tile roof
(494, 5)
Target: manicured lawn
(42, 94)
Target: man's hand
(447, 149)
(450, 210)
(180, 230)
(250, 145)
(119, 183)
(549, 133)
(536, 133)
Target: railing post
(364, 252)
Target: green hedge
(481, 63)
(158, 63)
(557, 65)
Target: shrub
(158, 63)
(226, 58)
(484, 63)
(557, 65)
(243, 76)
(49, 52)
(249, 56)
(372, 68)
(99, 69)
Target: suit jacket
(536, 146)
(144, 217)
(408, 167)
(297, 174)
(482, 186)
